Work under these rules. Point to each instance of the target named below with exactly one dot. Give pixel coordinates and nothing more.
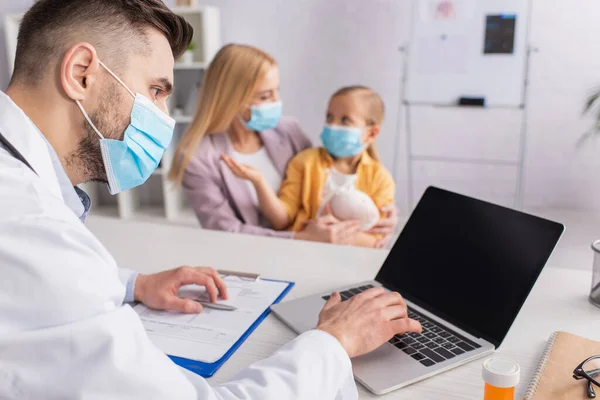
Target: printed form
(207, 336)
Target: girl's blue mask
(130, 162)
(265, 116)
(342, 141)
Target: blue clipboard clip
(207, 370)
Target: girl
(348, 157)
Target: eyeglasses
(589, 369)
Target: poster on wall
(446, 10)
(500, 34)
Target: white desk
(558, 301)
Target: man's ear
(79, 70)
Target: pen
(216, 306)
(246, 275)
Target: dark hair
(50, 27)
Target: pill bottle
(501, 376)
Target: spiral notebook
(553, 379)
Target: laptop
(465, 268)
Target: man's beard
(88, 156)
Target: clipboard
(207, 370)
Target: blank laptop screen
(470, 262)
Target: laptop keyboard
(434, 345)
(351, 292)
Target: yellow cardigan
(302, 189)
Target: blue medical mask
(342, 141)
(264, 116)
(130, 162)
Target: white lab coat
(64, 331)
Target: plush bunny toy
(346, 202)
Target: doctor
(87, 102)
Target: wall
(564, 71)
(322, 45)
(8, 7)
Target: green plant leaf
(591, 101)
(584, 139)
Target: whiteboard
(447, 58)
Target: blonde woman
(239, 115)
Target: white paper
(209, 335)
(444, 54)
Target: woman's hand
(272, 208)
(242, 171)
(386, 225)
(328, 229)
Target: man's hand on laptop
(367, 320)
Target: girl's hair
(373, 107)
(229, 84)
